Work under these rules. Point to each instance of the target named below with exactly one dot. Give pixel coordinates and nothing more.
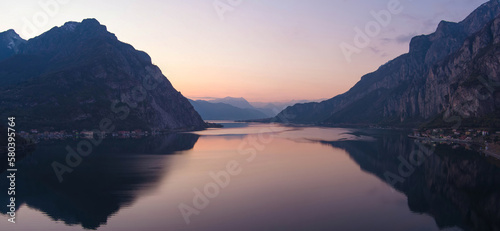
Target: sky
(261, 50)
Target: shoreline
(492, 154)
(483, 150)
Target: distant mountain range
(273, 108)
(448, 76)
(230, 108)
(78, 75)
(223, 111)
(237, 102)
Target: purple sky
(261, 50)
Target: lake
(259, 177)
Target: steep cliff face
(435, 78)
(465, 84)
(74, 76)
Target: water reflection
(458, 188)
(113, 176)
(305, 179)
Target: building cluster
(459, 135)
(36, 135)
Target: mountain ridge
(223, 111)
(73, 76)
(396, 93)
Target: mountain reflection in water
(455, 186)
(111, 177)
(307, 178)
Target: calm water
(286, 179)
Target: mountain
(78, 75)
(274, 108)
(223, 111)
(236, 102)
(269, 109)
(9, 43)
(450, 74)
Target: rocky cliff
(9, 43)
(78, 75)
(450, 74)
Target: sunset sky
(260, 49)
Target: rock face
(77, 75)
(450, 74)
(9, 43)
